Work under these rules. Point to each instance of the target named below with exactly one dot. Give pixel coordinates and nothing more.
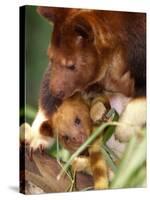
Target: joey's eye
(77, 121)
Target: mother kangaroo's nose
(69, 64)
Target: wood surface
(41, 173)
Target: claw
(41, 149)
(30, 153)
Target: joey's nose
(60, 94)
(79, 139)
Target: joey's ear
(53, 14)
(45, 129)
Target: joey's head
(73, 55)
(72, 123)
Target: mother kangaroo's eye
(71, 67)
(82, 31)
(77, 121)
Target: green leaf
(109, 160)
(64, 155)
(53, 150)
(133, 158)
(138, 177)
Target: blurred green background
(37, 38)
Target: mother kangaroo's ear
(52, 13)
(46, 129)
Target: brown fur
(95, 157)
(91, 46)
(98, 173)
(98, 165)
(45, 129)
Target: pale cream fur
(132, 119)
(37, 139)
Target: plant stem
(109, 160)
(58, 159)
(110, 152)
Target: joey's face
(72, 123)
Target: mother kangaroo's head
(73, 53)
